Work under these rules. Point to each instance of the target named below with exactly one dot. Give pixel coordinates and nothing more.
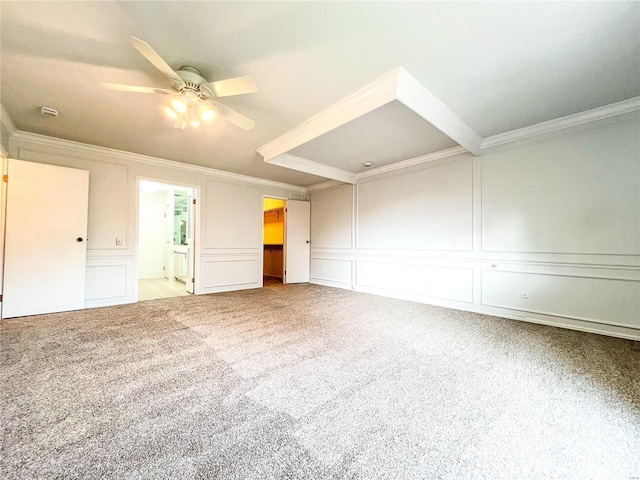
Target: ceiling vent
(48, 112)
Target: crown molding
(372, 96)
(619, 108)
(308, 166)
(411, 162)
(321, 186)
(7, 126)
(431, 157)
(7, 122)
(43, 140)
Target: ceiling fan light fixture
(207, 115)
(170, 113)
(179, 106)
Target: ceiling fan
(194, 95)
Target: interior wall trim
(43, 140)
(557, 314)
(417, 98)
(412, 162)
(303, 165)
(322, 185)
(374, 95)
(7, 122)
(595, 114)
(620, 331)
(398, 85)
(468, 256)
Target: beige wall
(547, 229)
(229, 216)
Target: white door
(167, 262)
(297, 228)
(45, 239)
(191, 208)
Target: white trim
(321, 186)
(417, 98)
(411, 162)
(430, 157)
(394, 85)
(308, 166)
(374, 95)
(620, 108)
(7, 126)
(43, 140)
(7, 122)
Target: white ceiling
(498, 66)
(393, 133)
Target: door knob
(79, 239)
(307, 241)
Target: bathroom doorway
(166, 247)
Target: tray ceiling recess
(394, 121)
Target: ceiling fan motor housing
(193, 82)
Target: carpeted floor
(309, 382)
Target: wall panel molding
(610, 301)
(110, 280)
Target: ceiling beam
(376, 94)
(417, 98)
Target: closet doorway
(273, 233)
(166, 247)
(286, 231)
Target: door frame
(284, 239)
(196, 226)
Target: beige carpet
(309, 382)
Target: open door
(167, 262)
(297, 232)
(191, 208)
(45, 239)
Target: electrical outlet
(118, 241)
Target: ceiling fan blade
(234, 117)
(135, 89)
(232, 86)
(156, 60)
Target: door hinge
(194, 201)
(5, 178)
(286, 210)
(193, 280)
(0, 298)
(285, 272)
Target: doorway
(286, 230)
(166, 248)
(273, 233)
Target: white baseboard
(561, 322)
